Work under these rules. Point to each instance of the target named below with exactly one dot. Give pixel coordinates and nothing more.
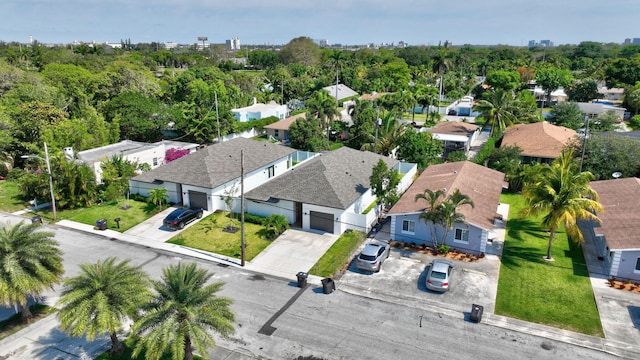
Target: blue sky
(478, 22)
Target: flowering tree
(173, 154)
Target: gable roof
(454, 128)
(539, 139)
(620, 220)
(333, 179)
(343, 91)
(373, 96)
(217, 164)
(481, 184)
(285, 123)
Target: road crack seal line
(267, 329)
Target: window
(462, 235)
(408, 226)
(155, 161)
(276, 132)
(637, 269)
(271, 171)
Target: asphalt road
(305, 322)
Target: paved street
(277, 320)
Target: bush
(634, 123)
(253, 219)
(486, 150)
(443, 249)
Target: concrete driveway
(404, 273)
(153, 229)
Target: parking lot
(403, 276)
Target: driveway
(404, 273)
(292, 252)
(153, 229)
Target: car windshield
(438, 275)
(367, 257)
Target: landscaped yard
(134, 213)
(556, 293)
(208, 235)
(10, 198)
(338, 257)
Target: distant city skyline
(347, 22)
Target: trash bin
(476, 313)
(302, 279)
(36, 219)
(101, 224)
(328, 285)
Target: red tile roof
(539, 139)
(620, 220)
(285, 123)
(481, 184)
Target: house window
(155, 161)
(271, 171)
(408, 226)
(276, 132)
(462, 235)
(637, 269)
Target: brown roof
(481, 184)
(539, 139)
(620, 220)
(285, 123)
(454, 128)
(372, 96)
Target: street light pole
(584, 142)
(46, 160)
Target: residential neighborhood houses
(316, 201)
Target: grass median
(338, 257)
(556, 293)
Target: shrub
(444, 249)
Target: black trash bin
(302, 279)
(328, 285)
(36, 219)
(101, 224)
(476, 313)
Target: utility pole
(378, 123)
(215, 93)
(242, 245)
(584, 141)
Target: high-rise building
(233, 44)
(635, 41)
(532, 43)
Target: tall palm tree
(323, 106)
(562, 193)
(182, 314)
(101, 298)
(30, 262)
(441, 64)
(431, 214)
(449, 211)
(497, 111)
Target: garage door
(198, 199)
(321, 221)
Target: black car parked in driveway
(178, 218)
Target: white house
(152, 154)
(259, 111)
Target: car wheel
(199, 214)
(181, 226)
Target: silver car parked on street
(373, 255)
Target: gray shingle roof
(217, 164)
(334, 179)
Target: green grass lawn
(133, 214)
(556, 293)
(207, 235)
(14, 324)
(338, 256)
(10, 198)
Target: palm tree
(431, 214)
(389, 134)
(101, 298)
(563, 194)
(496, 111)
(30, 261)
(441, 63)
(158, 197)
(449, 211)
(182, 314)
(323, 106)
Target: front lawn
(556, 293)
(10, 198)
(208, 235)
(134, 213)
(14, 324)
(338, 257)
